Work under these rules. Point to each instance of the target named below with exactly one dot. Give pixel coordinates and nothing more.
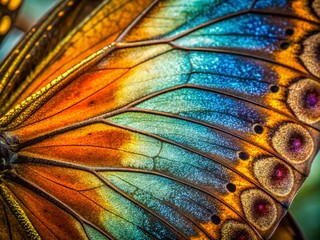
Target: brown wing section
(288, 229)
(121, 115)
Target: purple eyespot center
(240, 235)
(312, 98)
(261, 207)
(280, 173)
(296, 143)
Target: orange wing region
(182, 120)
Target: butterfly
(160, 120)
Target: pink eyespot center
(274, 175)
(296, 143)
(304, 100)
(241, 234)
(280, 173)
(261, 207)
(234, 230)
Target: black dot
(231, 187)
(215, 219)
(284, 45)
(274, 88)
(289, 31)
(258, 129)
(243, 155)
(91, 103)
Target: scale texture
(164, 119)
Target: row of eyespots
(291, 141)
(273, 174)
(303, 97)
(260, 211)
(295, 144)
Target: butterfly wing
(31, 54)
(197, 119)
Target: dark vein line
(100, 169)
(190, 185)
(81, 100)
(215, 127)
(126, 196)
(136, 21)
(232, 95)
(7, 220)
(174, 207)
(112, 213)
(223, 163)
(243, 53)
(78, 53)
(27, 184)
(39, 220)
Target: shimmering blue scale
(183, 132)
(228, 72)
(131, 218)
(93, 233)
(204, 11)
(153, 155)
(263, 4)
(205, 106)
(145, 189)
(225, 72)
(250, 31)
(191, 167)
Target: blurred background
(306, 205)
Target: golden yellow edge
(18, 212)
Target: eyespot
(259, 208)
(274, 175)
(311, 53)
(304, 100)
(293, 142)
(234, 230)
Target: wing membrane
(192, 121)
